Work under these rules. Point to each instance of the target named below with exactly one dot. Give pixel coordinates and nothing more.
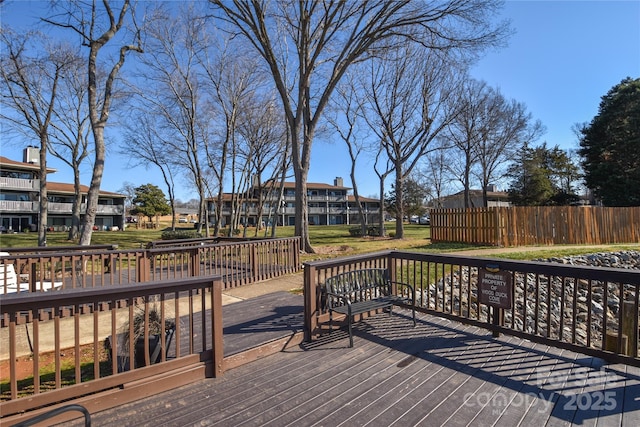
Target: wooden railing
(239, 263)
(536, 225)
(110, 332)
(585, 309)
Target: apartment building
(20, 198)
(327, 205)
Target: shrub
(355, 231)
(372, 230)
(179, 234)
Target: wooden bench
(362, 291)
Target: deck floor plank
(438, 373)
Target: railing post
(498, 319)
(253, 260)
(629, 328)
(143, 269)
(32, 277)
(310, 302)
(391, 266)
(195, 262)
(217, 346)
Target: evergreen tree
(413, 198)
(610, 146)
(150, 201)
(543, 176)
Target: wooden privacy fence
(537, 225)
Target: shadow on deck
(438, 373)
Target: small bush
(179, 234)
(355, 231)
(372, 230)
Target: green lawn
(328, 241)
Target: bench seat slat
(370, 305)
(361, 291)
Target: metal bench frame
(366, 290)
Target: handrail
(130, 314)
(239, 262)
(55, 412)
(591, 310)
(34, 250)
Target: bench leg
(330, 321)
(350, 332)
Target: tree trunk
(399, 202)
(75, 209)
(44, 198)
(94, 189)
(382, 231)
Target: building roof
(64, 188)
(22, 165)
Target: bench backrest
(359, 285)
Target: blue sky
(563, 57)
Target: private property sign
(494, 287)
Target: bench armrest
(402, 284)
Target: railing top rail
(546, 268)
(40, 249)
(66, 297)
(347, 260)
(54, 255)
(164, 249)
(180, 242)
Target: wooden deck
(438, 373)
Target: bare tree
(147, 146)
(175, 94)
(71, 132)
(508, 128)
(29, 91)
(466, 131)
(97, 25)
(265, 136)
(411, 103)
(382, 172)
(235, 85)
(327, 37)
(433, 173)
(486, 134)
(348, 109)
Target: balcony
(16, 207)
(11, 206)
(19, 184)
